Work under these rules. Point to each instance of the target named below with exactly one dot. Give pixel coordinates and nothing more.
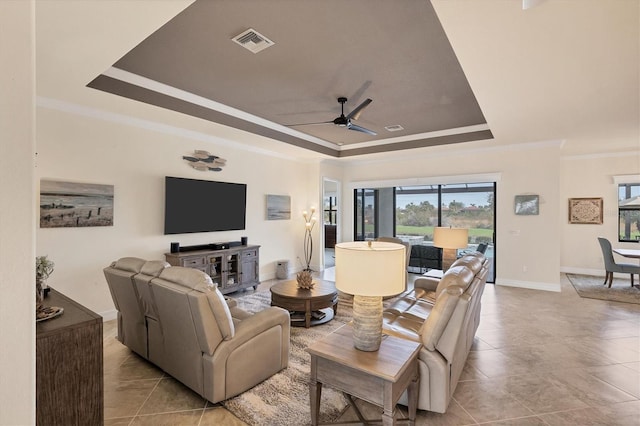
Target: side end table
(379, 377)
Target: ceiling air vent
(252, 40)
(394, 128)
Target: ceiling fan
(345, 120)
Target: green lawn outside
(428, 230)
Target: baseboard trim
(532, 285)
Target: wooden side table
(379, 377)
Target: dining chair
(611, 266)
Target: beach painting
(72, 205)
(278, 207)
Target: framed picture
(526, 204)
(585, 211)
(278, 207)
(74, 205)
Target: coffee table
(379, 377)
(316, 306)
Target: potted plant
(44, 268)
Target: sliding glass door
(418, 209)
(472, 206)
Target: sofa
(442, 314)
(176, 318)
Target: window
(629, 212)
(330, 210)
(417, 209)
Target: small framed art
(526, 204)
(585, 211)
(278, 207)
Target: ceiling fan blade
(309, 124)
(357, 128)
(356, 112)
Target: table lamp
(369, 270)
(449, 240)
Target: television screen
(193, 205)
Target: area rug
(283, 399)
(591, 287)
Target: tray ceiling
(398, 55)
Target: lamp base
(448, 257)
(367, 322)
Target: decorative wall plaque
(526, 204)
(585, 210)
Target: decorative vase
(305, 280)
(39, 295)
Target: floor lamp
(309, 222)
(369, 270)
(450, 240)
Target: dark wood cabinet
(69, 377)
(231, 269)
(330, 236)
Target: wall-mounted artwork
(278, 207)
(70, 204)
(585, 211)
(526, 204)
(203, 161)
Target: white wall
(527, 247)
(17, 263)
(135, 160)
(591, 176)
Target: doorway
(330, 212)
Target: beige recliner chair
(192, 333)
(132, 329)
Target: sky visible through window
(468, 198)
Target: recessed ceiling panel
(395, 53)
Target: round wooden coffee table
(307, 307)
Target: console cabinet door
(249, 267)
(216, 270)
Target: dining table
(630, 253)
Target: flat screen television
(193, 205)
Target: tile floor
(540, 358)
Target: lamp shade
(450, 238)
(370, 268)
